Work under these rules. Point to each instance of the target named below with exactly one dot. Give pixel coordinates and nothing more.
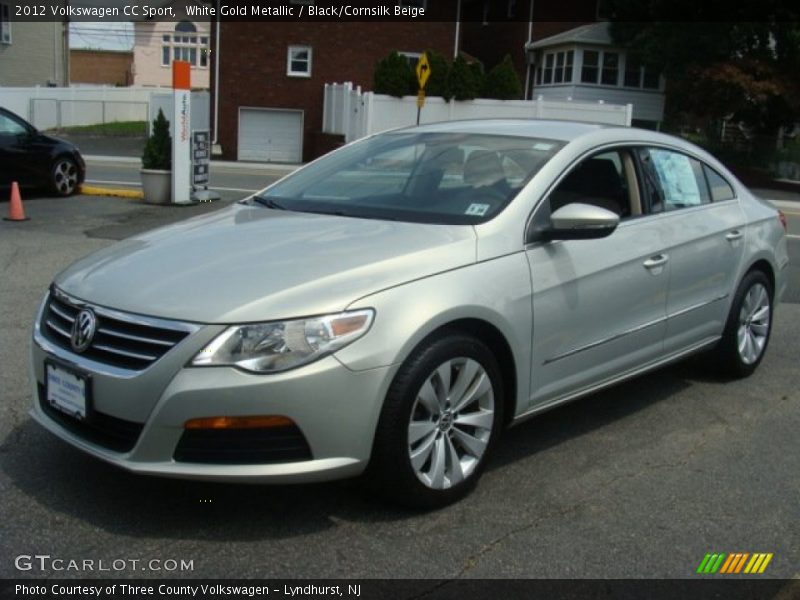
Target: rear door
(703, 227)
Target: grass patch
(117, 128)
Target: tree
(715, 69)
(158, 149)
(463, 81)
(438, 81)
(502, 81)
(393, 76)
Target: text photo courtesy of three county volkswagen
(468, 290)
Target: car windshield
(449, 178)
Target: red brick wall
(100, 67)
(253, 65)
(491, 40)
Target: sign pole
(423, 72)
(181, 132)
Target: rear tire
(748, 328)
(440, 420)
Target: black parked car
(34, 159)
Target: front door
(599, 306)
(15, 152)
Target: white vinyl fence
(52, 107)
(350, 112)
(48, 108)
(201, 105)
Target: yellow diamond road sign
(423, 70)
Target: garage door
(267, 135)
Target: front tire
(64, 176)
(441, 417)
(747, 331)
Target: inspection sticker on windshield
(477, 210)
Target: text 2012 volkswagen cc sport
(392, 306)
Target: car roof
(538, 128)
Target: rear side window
(720, 189)
(672, 180)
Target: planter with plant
(157, 163)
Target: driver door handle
(658, 260)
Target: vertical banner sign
(181, 130)
(201, 155)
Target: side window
(598, 180)
(720, 189)
(9, 126)
(672, 180)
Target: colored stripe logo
(734, 563)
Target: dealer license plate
(66, 391)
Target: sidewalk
(780, 195)
(275, 169)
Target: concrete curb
(91, 190)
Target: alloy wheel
(451, 423)
(65, 177)
(753, 324)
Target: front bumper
(335, 408)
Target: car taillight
(782, 218)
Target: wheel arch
(498, 345)
(766, 267)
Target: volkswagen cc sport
(390, 307)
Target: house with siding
(158, 43)
(32, 53)
(563, 51)
(582, 64)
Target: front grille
(120, 340)
(99, 428)
(243, 446)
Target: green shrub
(464, 80)
(502, 82)
(158, 149)
(438, 81)
(394, 77)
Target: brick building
(103, 67)
(272, 76)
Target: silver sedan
(391, 307)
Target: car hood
(249, 263)
(49, 140)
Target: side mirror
(578, 221)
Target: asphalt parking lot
(641, 480)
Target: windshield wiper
(268, 202)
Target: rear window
(720, 189)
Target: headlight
(283, 345)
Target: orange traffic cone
(15, 210)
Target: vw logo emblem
(83, 330)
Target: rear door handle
(656, 261)
(734, 235)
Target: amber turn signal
(238, 422)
